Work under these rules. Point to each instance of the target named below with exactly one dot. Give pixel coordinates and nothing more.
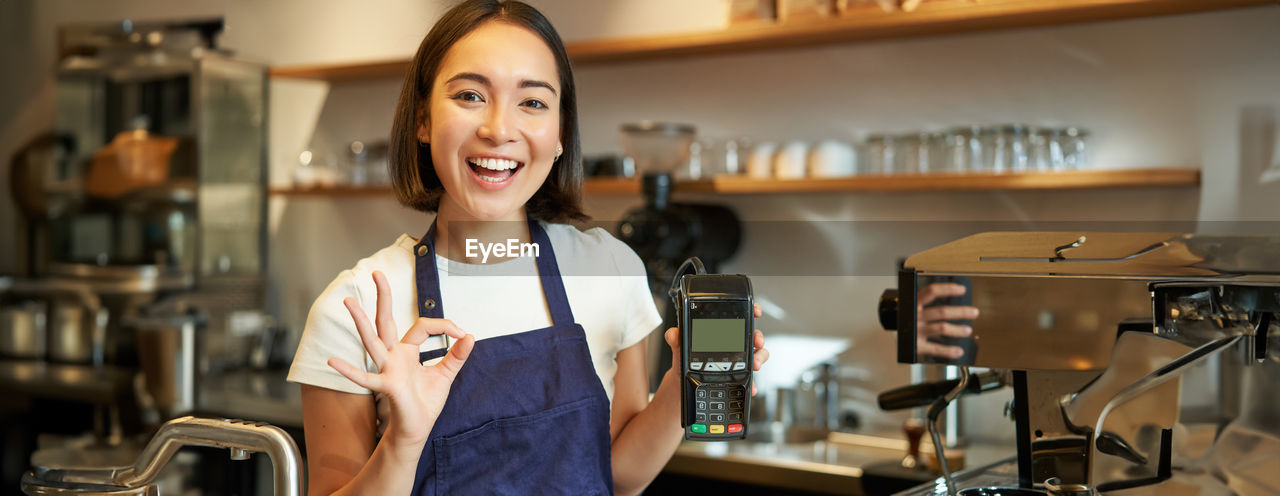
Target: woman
(486, 137)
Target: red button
(734, 428)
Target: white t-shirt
(603, 278)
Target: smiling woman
(486, 137)
(482, 76)
(493, 124)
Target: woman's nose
(496, 127)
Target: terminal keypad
(719, 409)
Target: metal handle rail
(240, 436)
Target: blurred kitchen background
(306, 108)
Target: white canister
(760, 163)
(789, 163)
(832, 158)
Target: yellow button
(717, 429)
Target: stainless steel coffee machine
(151, 185)
(145, 239)
(1096, 332)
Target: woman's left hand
(760, 356)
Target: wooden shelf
(933, 17)
(1042, 181)
(737, 185)
(610, 186)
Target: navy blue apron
(527, 413)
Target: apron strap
(549, 272)
(426, 279)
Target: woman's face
(494, 121)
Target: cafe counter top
(835, 465)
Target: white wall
(1156, 92)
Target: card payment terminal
(716, 326)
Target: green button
(698, 429)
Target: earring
(559, 150)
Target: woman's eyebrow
(471, 76)
(533, 83)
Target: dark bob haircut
(413, 173)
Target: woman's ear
(424, 132)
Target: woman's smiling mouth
(493, 172)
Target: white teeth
(495, 163)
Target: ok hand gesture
(416, 392)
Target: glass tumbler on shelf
(734, 154)
(880, 154)
(696, 165)
(963, 149)
(1011, 147)
(1075, 154)
(906, 153)
(933, 152)
(990, 139)
(917, 153)
(1043, 142)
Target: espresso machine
(145, 228)
(1095, 332)
(150, 190)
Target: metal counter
(819, 467)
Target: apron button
(422, 250)
(430, 304)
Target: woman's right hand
(416, 392)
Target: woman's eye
(468, 96)
(535, 104)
